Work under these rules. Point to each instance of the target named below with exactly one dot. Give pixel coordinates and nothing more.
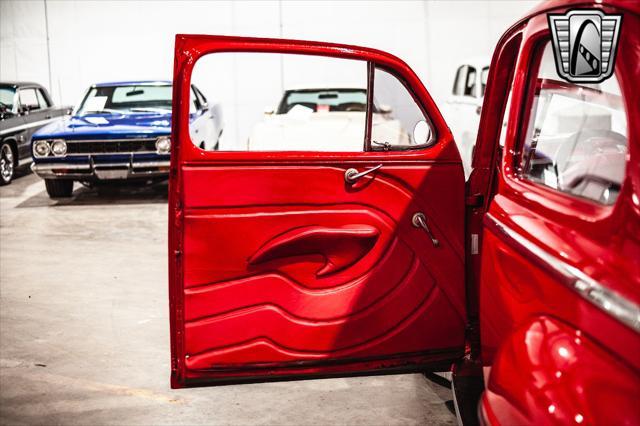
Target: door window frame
(458, 78)
(549, 202)
(371, 82)
(462, 77)
(42, 97)
(190, 48)
(531, 112)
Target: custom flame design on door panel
(313, 269)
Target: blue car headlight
(163, 145)
(41, 148)
(58, 147)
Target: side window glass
(397, 120)
(291, 102)
(505, 118)
(576, 140)
(459, 82)
(42, 100)
(28, 99)
(470, 83)
(194, 105)
(201, 98)
(283, 102)
(484, 75)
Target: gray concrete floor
(84, 330)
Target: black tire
(58, 188)
(8, 163)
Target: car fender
(548, 372)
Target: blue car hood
(125, 125)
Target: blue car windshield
(130, 98)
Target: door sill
(440, 360)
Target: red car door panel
(338, 293)
(280, 267)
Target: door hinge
(475, 200)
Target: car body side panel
(516, 288)
(547, 372)
(12, 129)
(523, 286)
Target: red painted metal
(526, 307)
(366, 292)
(547, 372)
(280, 267)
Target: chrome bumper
(101, 171)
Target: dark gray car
(24, 108)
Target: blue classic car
(119, 131)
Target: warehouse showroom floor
(85, 330)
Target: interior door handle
(419, 220)
(352, 175)
(341, 246)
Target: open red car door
(313, 263)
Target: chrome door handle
(352, 175)
(419, 220)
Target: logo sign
(584, 44)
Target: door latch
(419, 220)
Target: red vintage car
(524, 280)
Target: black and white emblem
(584, 44)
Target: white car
(324, 119)
(462, 109)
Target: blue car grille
(111, 146)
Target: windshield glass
(142, 98)
(6, 97)
(324, 100)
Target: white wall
(94, 41)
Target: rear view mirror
(268, 111)
(135, 92)
(328, 96)
(421, 133)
